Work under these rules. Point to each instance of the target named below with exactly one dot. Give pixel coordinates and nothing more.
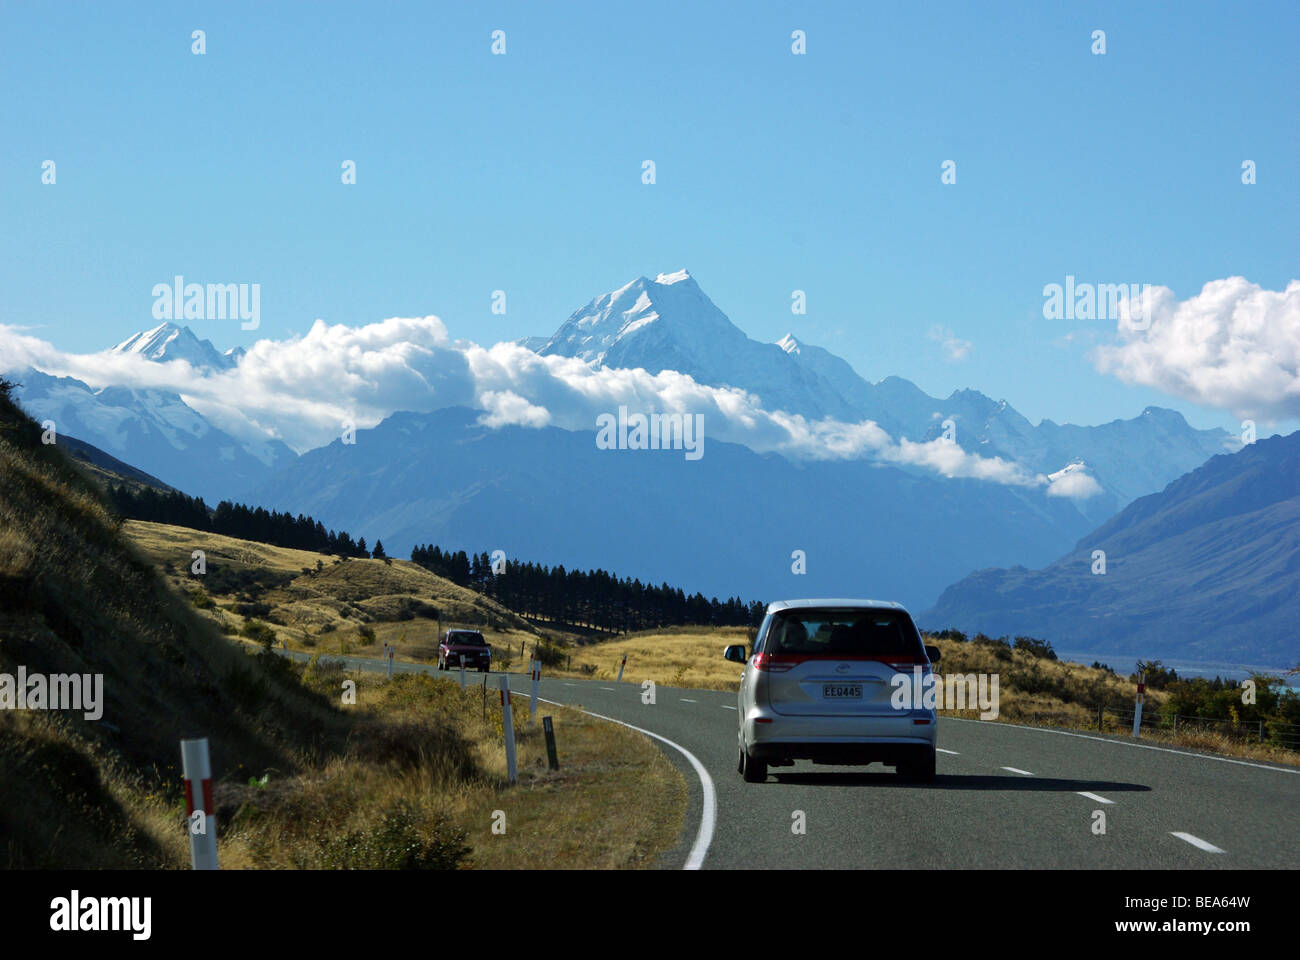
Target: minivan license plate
(842, 690)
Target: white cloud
(303, 388)
(1235, 346)
(954, 348)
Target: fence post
(197, 771)
(552, 760)
(1175, 723)
(532, 701)
(1137, 710)
(508, 728)
(1261, 731)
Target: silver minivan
(822, 684)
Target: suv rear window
(471, 639)
(843, 633)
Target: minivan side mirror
(932, 653)
(735, 653)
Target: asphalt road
(1005, 796)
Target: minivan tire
(755, 771)
(920, 770)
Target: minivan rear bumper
(840, 739)
(855, 752)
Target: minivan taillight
(776, 663)
(906, 664)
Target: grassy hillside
(319, 603)
(400, 779)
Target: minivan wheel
(920, 770)
(755, 770)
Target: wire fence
(1111, 720)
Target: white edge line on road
(942, 750)
(727, 706)
(1125, 743)
(1196, 842)
(1022, 772)
(1093, 796)
(708, 816)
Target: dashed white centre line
(607, 688)
(726, 706)
(570, 684)
(1197, 842)
(942, 750)
(684, 700)
(1093, 796)
(1024, 773)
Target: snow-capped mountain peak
(171, 341)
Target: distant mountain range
(670, 324)
(1209, 568)
(726, 524)
(730, 521)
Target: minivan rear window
(843, 633)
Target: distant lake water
(1124, 664)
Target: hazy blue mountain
(725, 524)
(1207, 569)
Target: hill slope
(1207, 569)
(76, 598)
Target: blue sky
(775, 172)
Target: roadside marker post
(197, 771)
(390, 651)
(462, 673)
(552, 760)
(536, 673)
(508, 728)
(1137, 710)
(620, 668)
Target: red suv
(464, 647)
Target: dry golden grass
(429, 747)
(681, 657)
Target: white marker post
(508, 726)
(391, 651)
(536, 674)
(620, 668)
(1137, 710)
(462, 672)
(197, 771)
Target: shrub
(397, 843)
(366, 635)
(252, 609)
(257, 631)
(1036, 648)
(201, 599)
